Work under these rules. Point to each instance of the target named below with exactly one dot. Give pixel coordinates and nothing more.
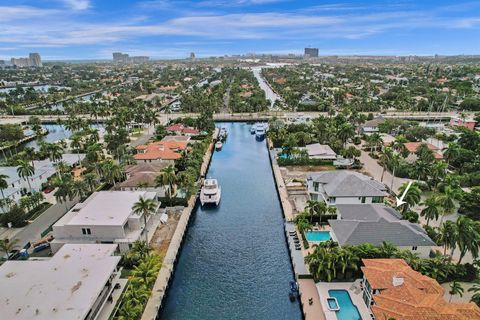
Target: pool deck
(323, 288)
(308, 290)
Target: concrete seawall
(168, 265)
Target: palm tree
(141, 248)
(25, 170)
(448, 236)
(55, 152)
(111, 171)
(447, 199)
(3, 186)
(90, 180)
(385, 159)
(476, 292)
(412, 197)
(468, 239)
(432, 210)
(146, 272)
(7, 246)
(455, 288)
(145, 207)
(168, 180)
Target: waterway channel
(234, 263)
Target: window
(363, 199)
(86, 231)
(377, 199)
(332, 200)
(315, 186)
(414, 248)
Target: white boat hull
(206, 199)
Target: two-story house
(344, 187)
(105, 217)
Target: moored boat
(218, 145)
(210, 193)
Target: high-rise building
(125, 58)
(192, 55)
(311, 52)
(35, 59)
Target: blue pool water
(234, 263)
(317, 236)
(348, 311)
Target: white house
(371, 126)
(74, 284)
(375, 223)
(344, 187)
(43, 169)
(105, 217)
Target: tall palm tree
(111, 171)
(448, 236)
(386, 159)
(468, 239)
(55, 152)
(455, 288)
(145, 207)
(447, 199)
(432, 210)
(25, 170)
(168, 180)
(412, 197)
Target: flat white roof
(104, 208)
(63, 287)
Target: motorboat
(218, 145)
(260, 131)
(253, 128)
(222, 135)
(293, 294)
(210, 193)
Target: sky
(93, 29)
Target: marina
(234, 263)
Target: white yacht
(218, 145)
(260, 130)
(253, 128)
(211, 192)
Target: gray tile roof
(343, 183)
(375, 224)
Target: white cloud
(77, 4)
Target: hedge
(304, 162)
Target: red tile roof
(180, 128)
(161, 150)
(414, 297)
(413, 146)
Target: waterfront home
(413, 146)
(393, 290)
(142, 177)
(461, 122)
(44, 169)
(74, 284)
(320, 151)
(344, 187)
(371, 126)
(375, 223)
(180, 129)
(166, 151)
(104, 217)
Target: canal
(234, 263)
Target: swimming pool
(317, 236)
(348, 311)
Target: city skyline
(92, 29)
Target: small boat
(210, 193)
(253, 128)
(260, 131)
(293, 294)
(222, 135)
(218, 145)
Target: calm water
(234, 263)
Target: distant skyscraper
(35, 59)
(311, 52)
(192, 55)
(125, 58)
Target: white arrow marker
(400, 201)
